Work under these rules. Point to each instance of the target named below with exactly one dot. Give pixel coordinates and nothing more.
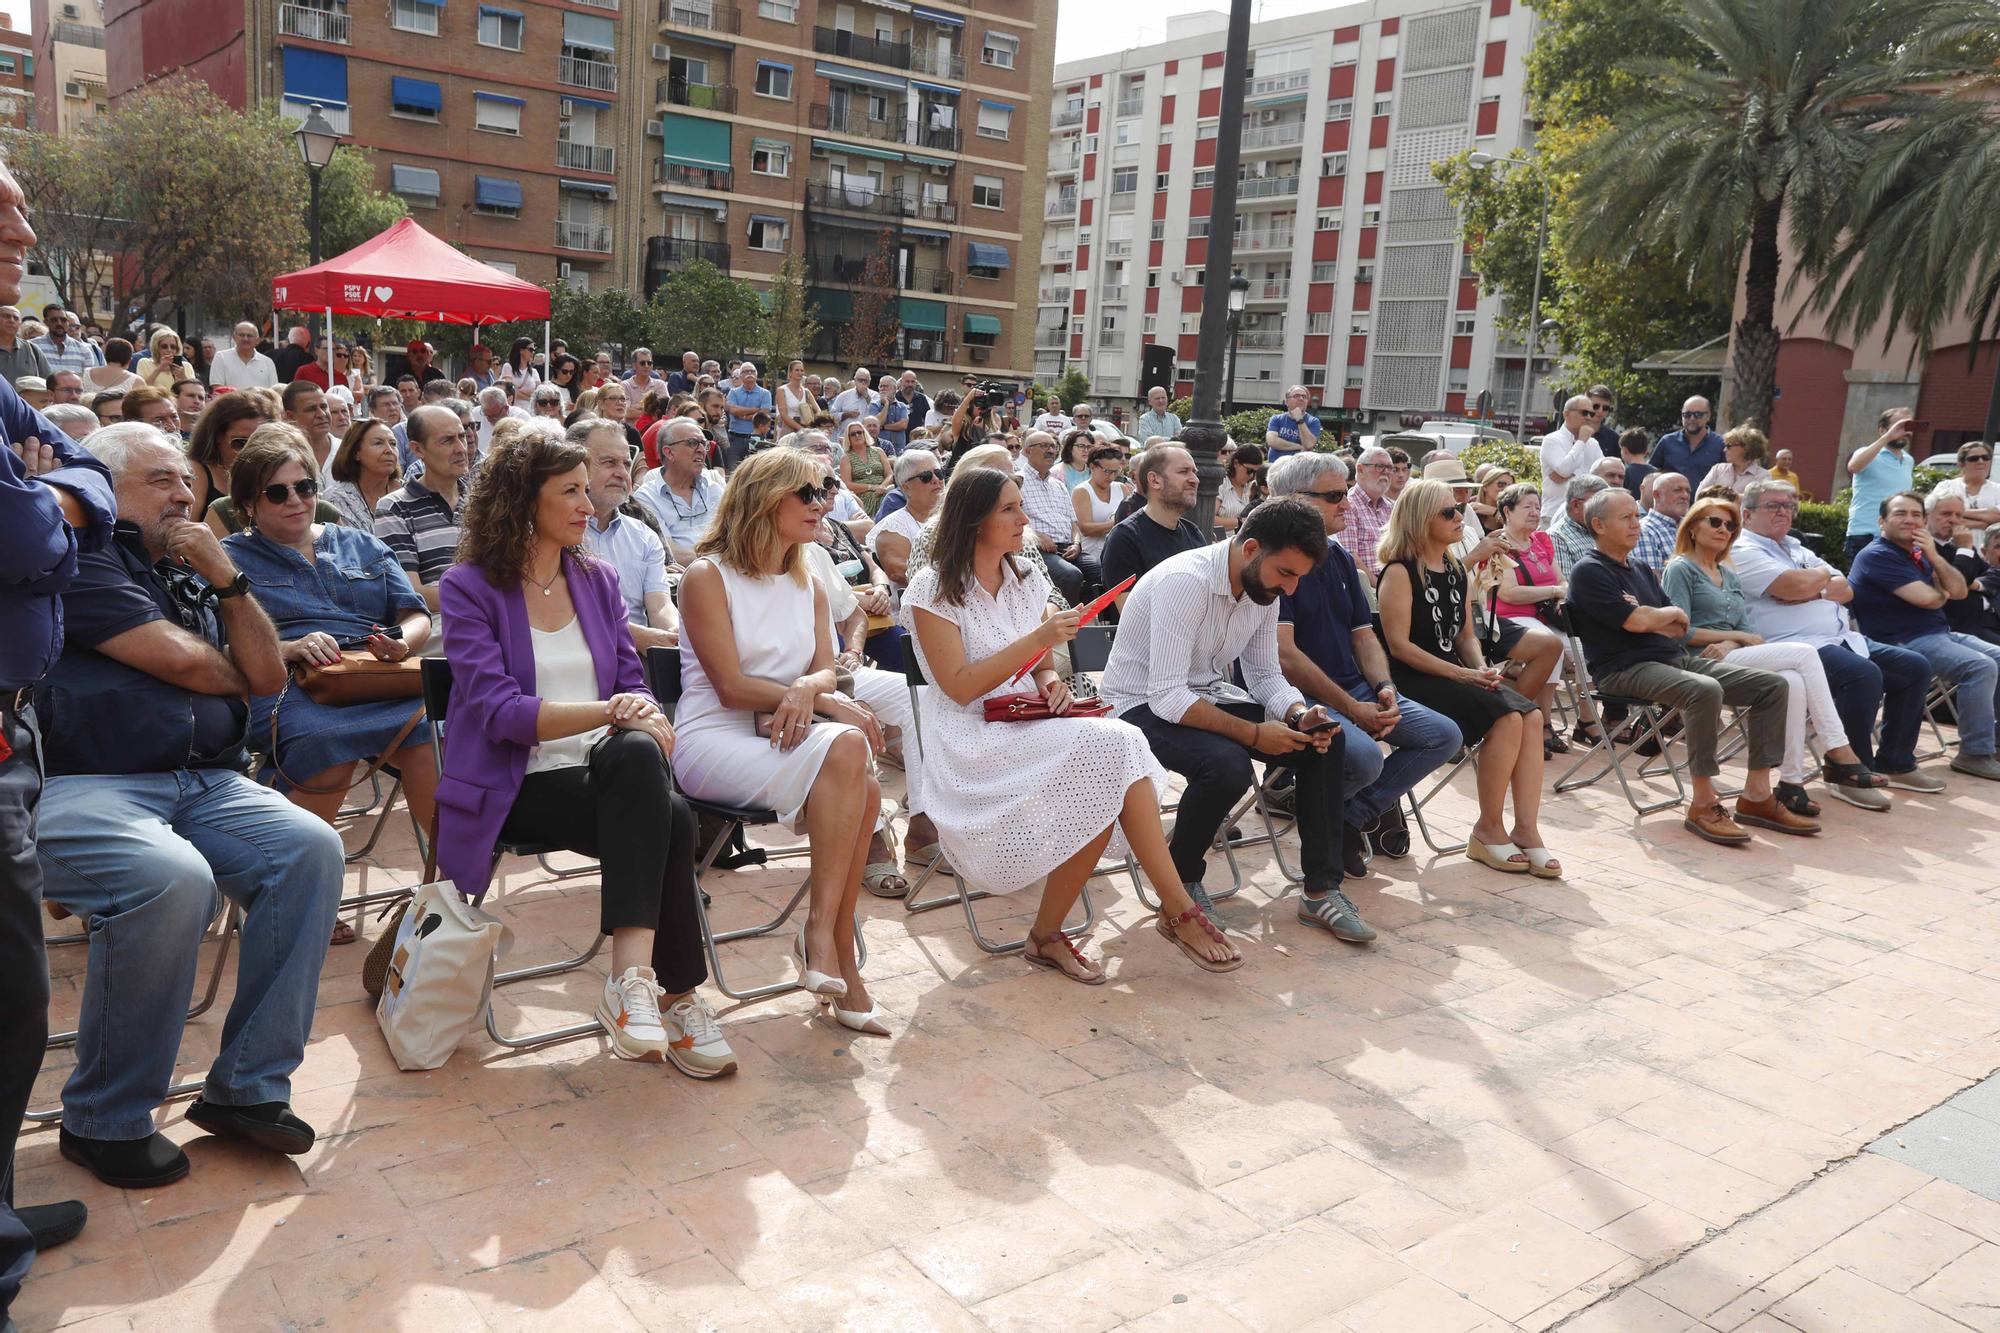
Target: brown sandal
(1168, 926)
(1091, 975)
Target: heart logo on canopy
(384, 293)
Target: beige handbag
(439, 975)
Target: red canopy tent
(407, 273)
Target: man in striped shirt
(419, 520)
(1045, 497)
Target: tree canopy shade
(407, 273)
(1764, 134)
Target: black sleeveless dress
(1437, 611)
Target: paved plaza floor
(1684, 1088)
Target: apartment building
(1359, 286)
(67, 68)
(17, 77)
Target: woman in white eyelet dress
(1029, 804)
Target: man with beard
(622, 541)
(1186, 629)
(1167, 476)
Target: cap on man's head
(31, 384)
(1447, 470)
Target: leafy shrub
(1518, 459)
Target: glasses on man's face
(278, 492)
(1338, 497)
(1778, 506)
(926, 477)
(1718, 521)
(644, 364)
(1694, 416)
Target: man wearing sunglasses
(1694, 448)
(681, 493)
(1974, 484)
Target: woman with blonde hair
(1746, 457)
(164, 367)
(764, 719)
(1435, 659)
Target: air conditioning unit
(1174, 276)
(1268, 116)
(562, 270)
(70, 11)
(662, 52)
(72, 89)
(1253, 321)
(980, 354)
(656, 129)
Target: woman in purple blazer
(554, 739)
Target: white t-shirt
(230, 369)
(902, 523)
(1987, 496)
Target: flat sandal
(1167, 926)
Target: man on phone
(1293, 429)
(1877, 471)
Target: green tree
(702, 307)
(1072, 387)
(600, 317)
(77, 238)
(1762, 135)
(869, 338)
(351, 209)
(791, 323)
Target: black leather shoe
(267, 1124)
(1353, 852)
(127, 1164)
(53, 1224)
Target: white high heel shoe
(818, 983)
(869, 1022)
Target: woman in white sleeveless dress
(1097, 499)
(756, 647)
(1024, 804)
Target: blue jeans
(1974, 666)
(140, 858)
(1891, 679)
(1419, 744)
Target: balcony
(586, 156)
(852, 270)
(1277, 85)
(1267, 187)
(597, 75)
(1273, 136)
(664, 253)
(1118, 249)
(714, 17)
(1131, 106)
(933, 348)
(1263, 240)
(1261, 340)
(701, 178)
(1271, 289)
(671, 90)
(1065, 163)
(1111, 339)
(857, 46)
(1115, 295)
(594, 237)
(1064, 207)
(937, 61)
(307, 21)
(855, 122)
(71, 33)
(855, 197)
(1053, 295)
(1051, 338)
(1068, 118)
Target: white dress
(1014, 800)
(718, 755)
(1100, 511)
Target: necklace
(549, 588)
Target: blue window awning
(981, 254)
(846, 75)
(1008, 107)
(434, 4)
(937, 16)
(940, 89)
(771, 219)
(413, 180)
(496, 192)
(591, 102)
(485, 96)
(588, 187)
(774, 64)
(315, 76)
(415, 95)
(693, 141)
(857, 150)
(926, 234)
(988, 325)
(494, 11)
(589, 31)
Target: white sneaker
(697, 1047)
(630, 1012)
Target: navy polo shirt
(1879, 569)
(1329, 606)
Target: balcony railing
(72, 33)
(1111, 338)
(714, 17)
(1267, 187)
(592, 236)
(854, 197)
(1131, 106)
(1066, 162)
(598, 75)
(670, 252)
(1115, 294)
(586, 156)
(1270, 290)
(921, 347)
(853, 270)
(674, 91)
(936, 60)
(307, 21)
(1261, 340)
(701, 178)
(1273, 84)
(1051, 337)
(1117, 249)
(858, 46)
(1068, 116)
(1053, 295)
(856, 123)
(1064, 207)
(1274, 136)
(1263, 240)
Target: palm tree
(1762, 136)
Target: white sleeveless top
(1101, 510)
(565, 673)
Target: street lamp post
(1205, 435)
(316, 139)
(1484, 162)
(1239, 292)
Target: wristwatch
(236, 587)
(1295, 712)
(1382, 685)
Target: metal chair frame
(1467, 756)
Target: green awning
(695, 142)
(856, 150)
(987, 324)
(833, 307)
(925, 315)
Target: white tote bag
(439, 976)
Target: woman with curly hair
(555, 739)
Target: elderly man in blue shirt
(623, 542)
(1694, 448)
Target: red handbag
(1032, 707)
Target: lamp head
(316, 139)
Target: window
(496, 115)
(1110, 322)
(1382, 105)
(499, 27)
(417, 186)
(781, 11)
(774, 80)
(1371, 216)
(496, 196)
(1358, 322)
(503, 265)
(1207, 129)
(1159, 185)
(996, 120)
(414, 16)
(1340, 110)
(1364, 273)
(1197, 277)
(1313, 377)
(1149, 325)
(1333, 164)
(1455, 380)
(416, 98)
(1159, 231)
(1462, 324)
(1125, 180)
(1320, 322)
(767, 233)
(1326, 220)
(1197, 228)
(986, 192)
(1089, 143)
(1076, 327)
(1152, 279)
(999, 49)
(769, 157)
(6, 64)
(1126, 131)
(1324, 272)
(1190, 323)
(1204, 177)
(1356, 376)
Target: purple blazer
(493, 706)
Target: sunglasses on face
(1718, 521)
(277, 492)
(930, 476)
(1450, 512)
(1694, 416)
(820, 494)
(1338, 497)
(1979, 458)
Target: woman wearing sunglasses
(325, 587)
(1701, 580)
(763, 721)
(1435, 659)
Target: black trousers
(1218, 772)
(1071, 577)
(24, 979)
(622, 809)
